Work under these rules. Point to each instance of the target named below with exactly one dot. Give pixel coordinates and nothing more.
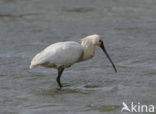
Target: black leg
(59, 76)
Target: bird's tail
(35, 61)
(32, 66)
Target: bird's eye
(100, 40)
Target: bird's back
(62, 53)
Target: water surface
(128, 30)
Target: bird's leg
(60, 70)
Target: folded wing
(62, 53)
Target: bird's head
(97, 41)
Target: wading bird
(62, 55)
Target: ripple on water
(150, 72)
(92, 86)
(102, 108)
(80, 10)
(56, 92)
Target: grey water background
(128, 28)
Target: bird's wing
(62, 53)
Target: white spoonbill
(62, 55)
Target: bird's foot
(64, 85)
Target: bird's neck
(88, 50)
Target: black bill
(103, 48)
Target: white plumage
(58, 54)
(62, 55)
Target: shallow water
(128, 30)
